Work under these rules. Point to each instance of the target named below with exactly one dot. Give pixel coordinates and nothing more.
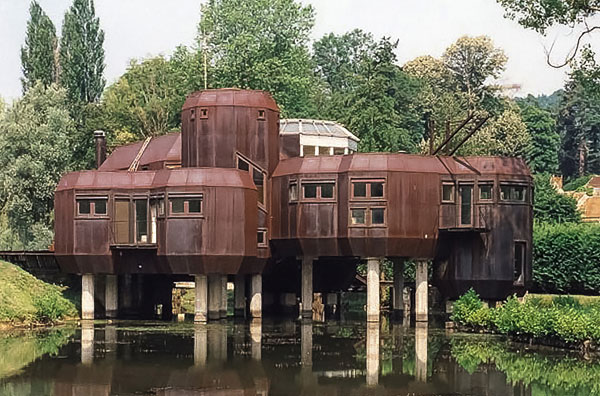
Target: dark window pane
(360, 189)
(260, 236)
(519, 260)
(195, 205)
(324, 151)
(83, 206)
(310, 190)
(177, 205)
(338, 151)
(377, 189)
(358, 216)
(448, 193)
(293, 192)
(466, 196)
(378, 216)
(504, 193)
(327, 190)
(258, 177)
(485, 191)
(243, 165)
(100, 206)
(309, 150)
(141, 220)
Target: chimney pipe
(100, 139)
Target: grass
(26, 299)
(547, 299)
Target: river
(282, 358)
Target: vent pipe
(100, 140)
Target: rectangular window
(121, 222)
(293, 191)
(261, 237)
(357, 216)
(359, 189)
(466, 204)
(319, 190)
(310, 190)
(141, 220)
(261, 114)
(309, 150)
(195, 205)
(191, 205)
(378, 216)
(513, 193)
(324, 150)
(448, 192)
(89, 207)
(327, 190)
(177, 205)
(376, 189)
(243, 165)
(485, 192)
(368, 189)
(339, 151)
(259, 182)
(519, 264)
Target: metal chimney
(100, 139)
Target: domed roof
(231, 97)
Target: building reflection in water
(372, 353)
(306, 343)
(87, 342)
(421, 331)
(200, 345)
(256, 338)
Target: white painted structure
(318, 137)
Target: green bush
(469, 310)
(575, 184)
(566, 257)
(52, 306)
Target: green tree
(82, 53)
(542, 153)
(579, 118)
(35, 150)
(551, 207)
(260, 44)
(38, 54)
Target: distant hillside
(546, 102)
(25, 299)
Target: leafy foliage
(36, 145)
(577, 183)
(550, 206)
(260, 44)
(38, 54)
(81, 53)
(565, 258)
(542, 152)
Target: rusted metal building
(232, 198)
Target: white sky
(142, 28)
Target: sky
(143, 28)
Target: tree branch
(574, 53)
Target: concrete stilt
(421, 292)
(372, 354)
(373, 273)
(200, 345)
(307, 287)
(214, 296)
(87, 342)
(256, 338)
(421, 351)
(110, 341)
(201, 301)
(397, 301)
(223, 307)
(111, 296)
(256, 296)
(239, 296)
(87, 296)
(306, 343)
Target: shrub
(469, 310)
(51, 306)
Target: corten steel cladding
(230, 152)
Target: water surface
(282, 358)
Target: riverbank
(26, 301)
(560, 321)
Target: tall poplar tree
(81, 53)
(38, 54)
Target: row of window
(178, 205)
(508, 192)
(324, 150)
(367, 217)
(203, 114)
(325, 190)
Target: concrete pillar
(87, 342)
(239, 296)
(200, 345)
(223, 307)
(256, 296)
(421, 351)
(307, 287)
(306, 343)
(421, 292)
(87, 297)
(372, 353)
(111, 296)
(373, 273)
(397, 300)
(201, 300)
(110, 341)
(214, 296)
(256, 338)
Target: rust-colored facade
(227, 196)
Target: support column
(256, 338)
(373, 273)
(421, 292)
(87, 342)
(87, 297)
(306, 343)
(372, 354)
(307, 287)
(214, 297)
(111, 296)
(223, 308)
(200, 345)
(239, 296)
(256, 296)
(398, 302)
(201, 301)
(421, 351)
